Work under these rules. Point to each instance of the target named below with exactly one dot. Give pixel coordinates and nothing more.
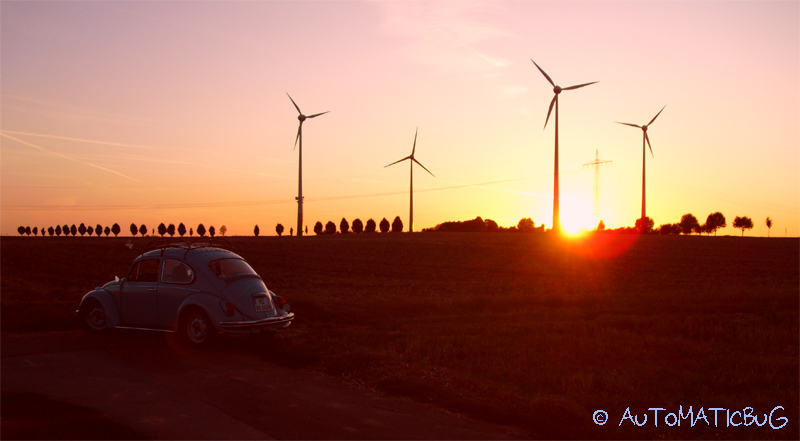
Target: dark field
(511, 328)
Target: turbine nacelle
(301, 117)
(644, 128)
(557, 89)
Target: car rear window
(228, 268)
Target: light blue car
(196, 288)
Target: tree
(714, 222)
(370, 226)
(526, 225)
(742, 223)
(491, 226)
(291, 231)
(181, 229)
(58, 230)
(330, 228)
(115, 229)
(212, 231)
(142, 230)
(73, 230)
(601, 226)
(397, 225)
(171, 230)
(162, 229)
(344, 226)
(134, 229)
(50, 231)
(191, 232)
(201, 230)
(279, 229)
(318, 228)
(21, 230)
(28, 231)
(689, 224)
(98, 230)
(256, 230)
(107, 230)
(223, 229)
(90, 230)
(668, 229)
(358, 226)
(82, 229)
(645, 225)
(35, 231)
(769, 226)
(384, 225)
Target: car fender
(108, 303)
(209, 303)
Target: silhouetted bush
(134, 229)
(318, 228)
(358, 227)
(162, 229)
(330, 228)
(115, 229)
(491, 226)
(255, 230)
(384, 225)
(344, 226)
(644, 225)
(370, 226)
(526, 225)
(670, 229)
(279, 229)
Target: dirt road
(151, 384)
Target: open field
(512, 328)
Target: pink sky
(171, 112)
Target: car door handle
(152, 289)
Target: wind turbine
(299, 138)
(413, 160)
(557, 90)
(645, 138)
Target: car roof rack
(201, 242)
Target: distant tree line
(99, 230)
(688, 225)
(479, 225)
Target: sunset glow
(150, 112)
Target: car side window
(148, 270)
(176, 272)
(133, 273)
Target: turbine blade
(549, 110)
(629, 124)
(659, 113)
(395, 162)
(318, 114)
(297, 138)
(579, 86)
(423, 167)
(544, 73)
(295, 104)
(414, 148)
(647, 138)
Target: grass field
(511, 328)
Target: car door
(139, 294)
(177, 283)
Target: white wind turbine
(299, 138)
(411, 191)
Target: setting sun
(576, 214)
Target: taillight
(278, 301)
(227, 308)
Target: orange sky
(177, 111)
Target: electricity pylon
(596, 164)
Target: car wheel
(195, 328)
(93, 317)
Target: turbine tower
(299, 138)
(645, 138)
(596, 164)
(557, 91)
(411, 191)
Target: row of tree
(115, 230)
(715, 221)
(479, 225)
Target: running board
(143, 329)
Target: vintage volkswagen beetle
(195, 288)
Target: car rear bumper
(280, 321)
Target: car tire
(93, 317)
(195, 328)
